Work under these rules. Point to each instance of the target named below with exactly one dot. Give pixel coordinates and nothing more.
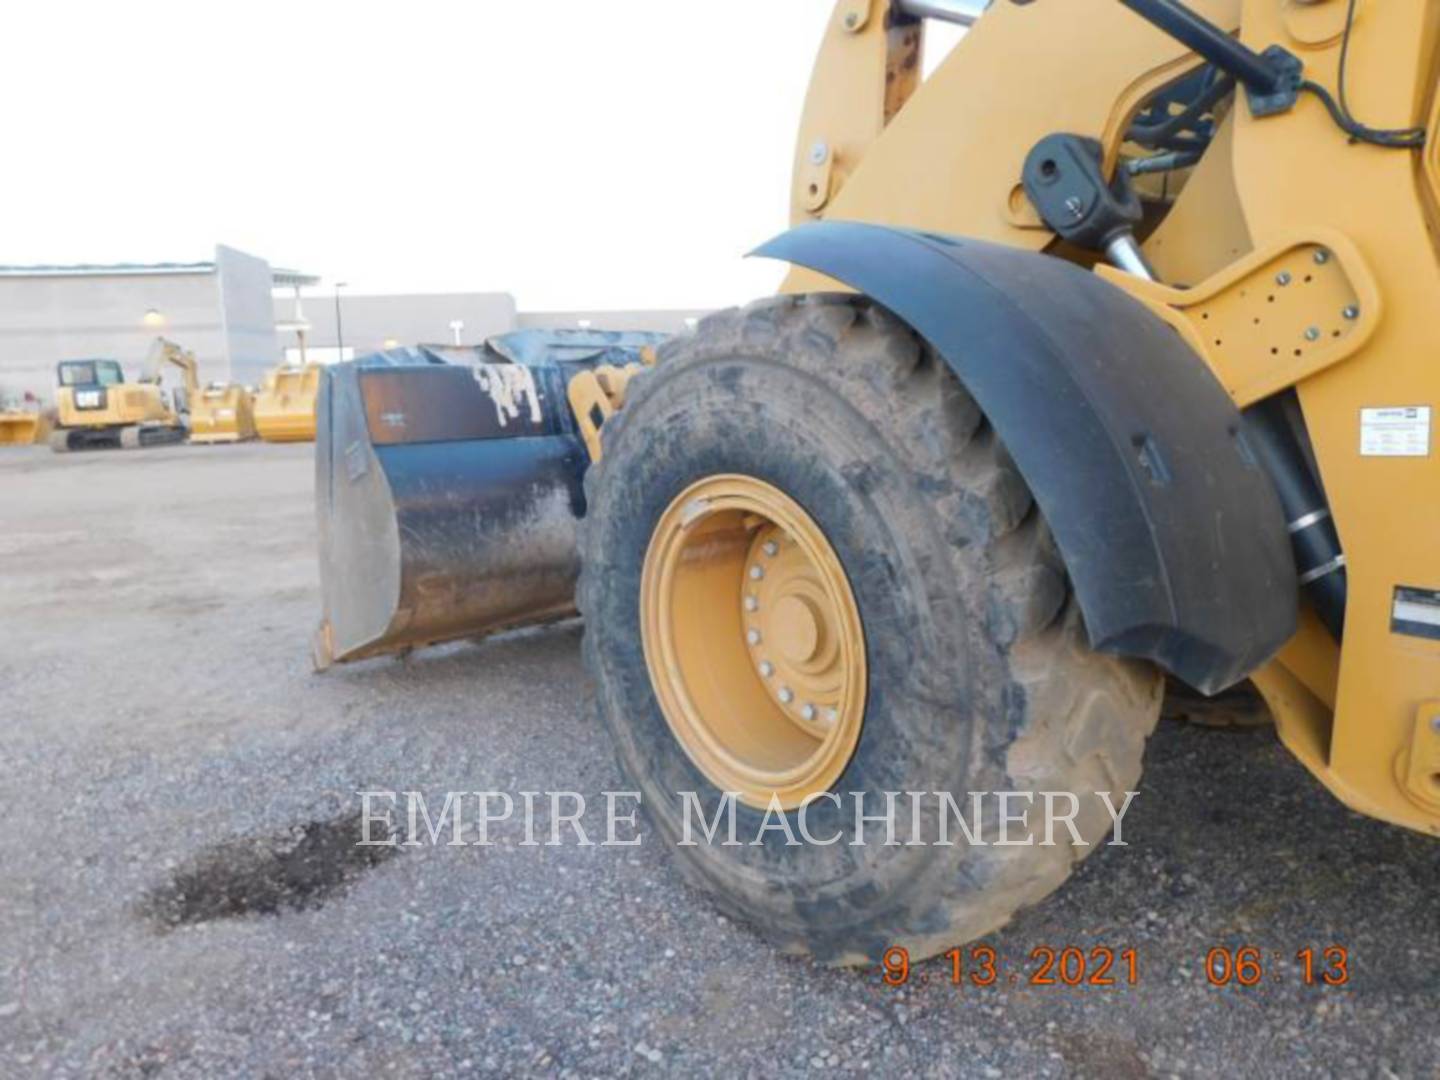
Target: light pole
(339, 326)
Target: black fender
(1171, 532)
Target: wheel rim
(753, 641)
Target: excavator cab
(91, 373)
(88, 382)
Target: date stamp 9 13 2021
(1102, 966)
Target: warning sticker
(1416, 612)
(1398, 432)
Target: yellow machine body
(126, 405)
(221, 414)
(97, 409)
(285, 405)
(1295, 261)
(1272, 203)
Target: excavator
(1106, 354)
(97, 409)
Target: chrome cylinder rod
(962, 12)
(1125, 253)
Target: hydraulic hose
(1318, 558)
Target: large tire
(980, 678)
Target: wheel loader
(1107, 353)
(98, 410)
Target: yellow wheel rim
(753, 641)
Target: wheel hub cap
(753, 641)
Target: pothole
(295, 869)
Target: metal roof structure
(281, 276)
(292, 277)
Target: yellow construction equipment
(1108, 353)
(22, 422)
(18, 427)
(222, 413)
(285, 403)
(96, 408)
(493, 438)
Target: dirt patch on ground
(295, 869)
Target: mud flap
(1170, 529)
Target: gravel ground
(164, 738)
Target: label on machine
(1395, 432)
(1416, 612)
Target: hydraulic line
(1318, 559)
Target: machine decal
(1416, 612)
(1397, 432)
(512, 388)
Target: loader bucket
(222, 414)
(448, 496)
(285, 405)
(19, 428)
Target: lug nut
(753, 637)
(808, 712)
(771, 548)
(1352, 312)
(766, 668)
(756, 573)
(831, 715)
(752, 604)
(1322, 257)
(1283, 278)
(786, 695)
(1313, 334)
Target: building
(241, 317)
(368, 324)
(221, 310)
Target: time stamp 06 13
(1101, 966)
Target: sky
(575, 153)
